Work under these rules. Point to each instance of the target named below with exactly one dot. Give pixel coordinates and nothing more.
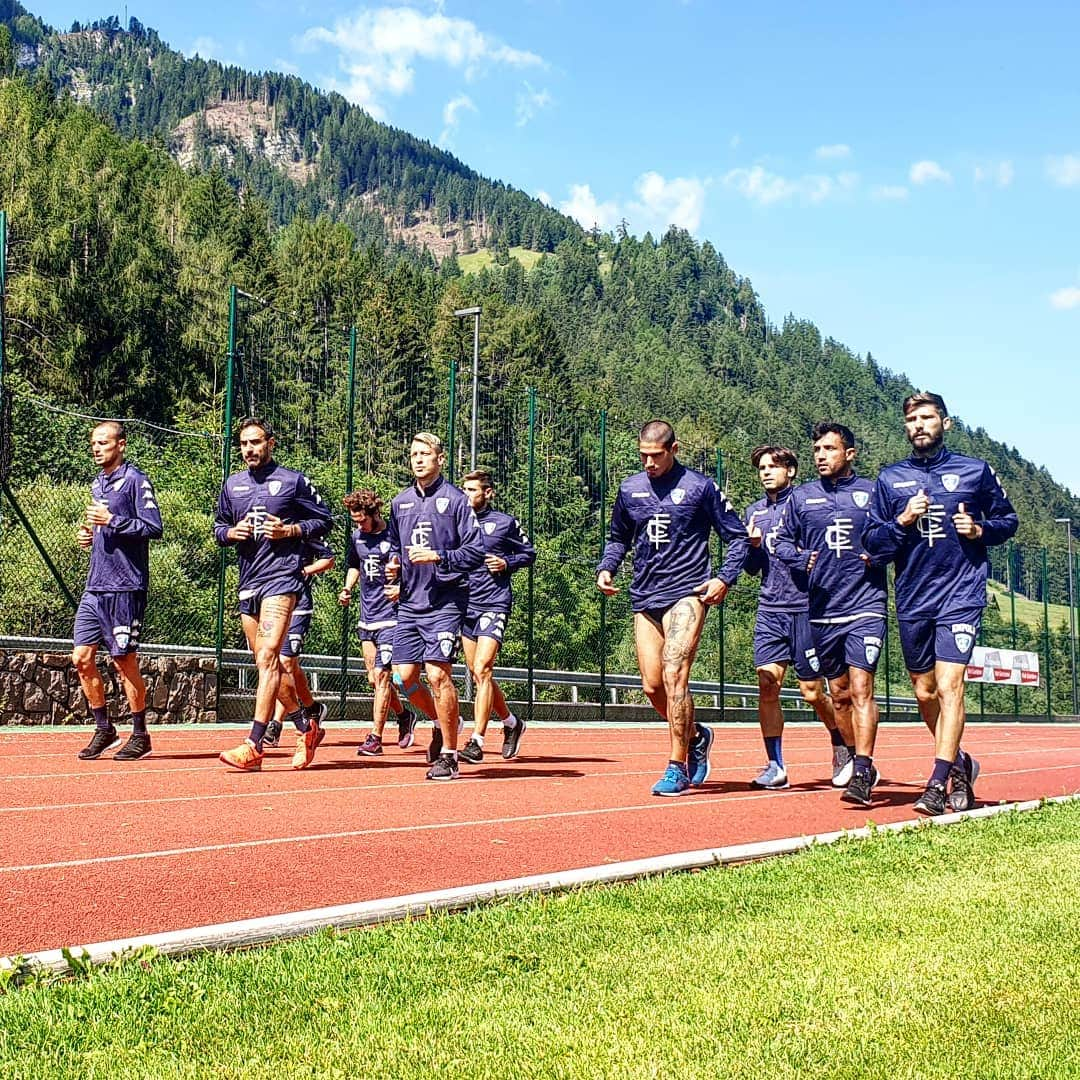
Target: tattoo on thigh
(680, 639)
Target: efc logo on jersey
(372, 566)
(838, 535)
(421, 534)
(930, 524)
(658, 530)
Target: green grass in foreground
(941, 952)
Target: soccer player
(369, 554)
(435, 536)
(665, 514)
(934, 515)
(269, 513)
(317, 558)
(121, 520)
(782, 634)
(820, 535)
(490, 599)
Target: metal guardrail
(318, 665)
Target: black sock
(258, 731)
(863, 765)
(940, 775)
(835, 737)
(138, 722)
(298, 720)
(101, 718)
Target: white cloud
(680, 201)
(451, 115)
(584, 207)
(1066, 299)
(545, 198)
(529, 103)
(925, 172)
(832, 152)
(207, 47)
(1065, 170)
(765, 188)
(1000, 173)
(658, 204)
(890, 192)
(379, 47)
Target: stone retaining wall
(43, 688)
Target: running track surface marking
(102, 850)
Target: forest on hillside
(119, 267)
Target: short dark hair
(658, 431)
(925, 397)
(827, 427)
(364, 501)
(119, 429)
(780, 454)
(256, 421)
(481, 476)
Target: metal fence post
(603, 598)
(722, 619)
(226, 465)
(1012, 606)
(530, 626)
(451, 440)
(350, 428)
(1046, 633)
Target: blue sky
(905, 175)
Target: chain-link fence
(345, 402)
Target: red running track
(100, 850)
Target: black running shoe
(860, 787)
(962, 782)
(104, 739)
(472, 752)
(512, 740)
(932, 801)
(435, 746)
(445, 767)
(138, 746)
(273, 734)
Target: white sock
(511, 721)
(477, 738)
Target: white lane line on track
(268, 929)
(438, 826)
(716, 771)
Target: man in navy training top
(820, 535)
(665, 514)
(317, 558)
(434, 534)
(121, 520)
(490, 599)
(369, 554)
(934, 515)
(782, 633)
(269, 513)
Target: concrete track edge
(249, 932)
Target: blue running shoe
(673, 782)
(700, 748)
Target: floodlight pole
(474, 314)
(1067, 522)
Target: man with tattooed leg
(665, 514)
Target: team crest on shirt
(872, 649)
(951, 481)
(384, 546)
(274, 486)
(861, 499)
(489, 527)
(677, 496)
(441, 505)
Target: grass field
(1028, 611)
(475, 262)
(937, 952)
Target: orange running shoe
(243, 757)
(306, 743)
